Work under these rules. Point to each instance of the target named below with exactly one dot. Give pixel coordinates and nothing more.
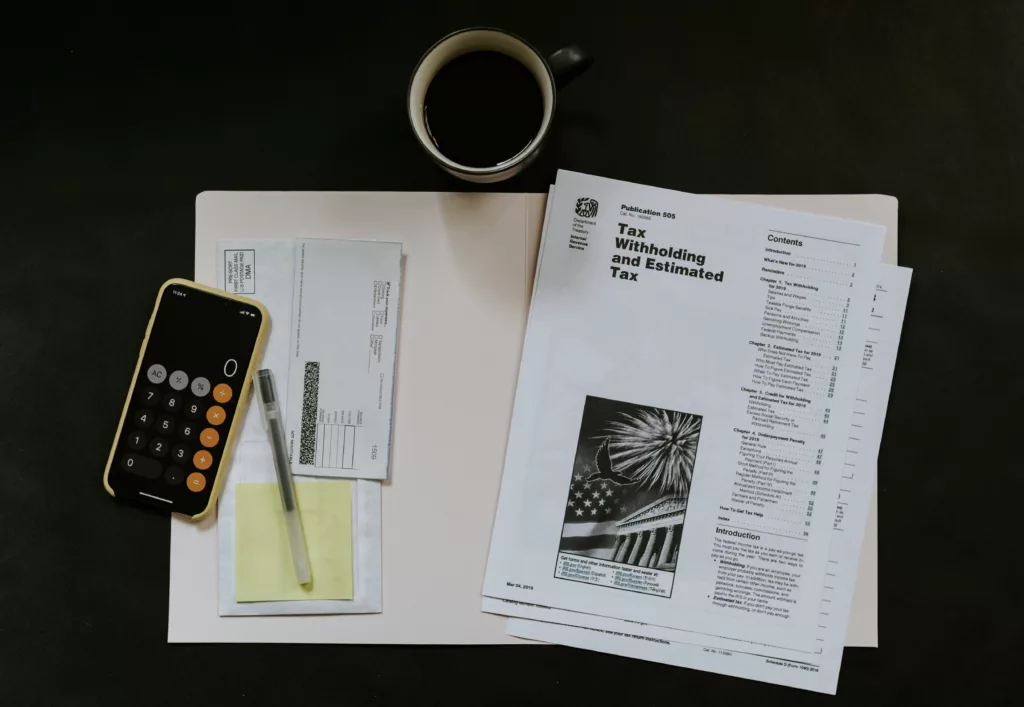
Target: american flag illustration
(628, 457)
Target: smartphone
(187, 398)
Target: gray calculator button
(156, 373)
(200, 387)
(179, 380)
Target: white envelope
(344, 325)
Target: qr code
(307, 428)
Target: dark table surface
(110, 126)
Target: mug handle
(568, 64)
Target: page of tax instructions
(812, 670)
(680, 424)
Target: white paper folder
(468, 269)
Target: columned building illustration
(650, 536)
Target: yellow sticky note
(263, 562)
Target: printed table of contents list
(801, 336)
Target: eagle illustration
(605, 470)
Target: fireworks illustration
(655, 448)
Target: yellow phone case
(243, 401)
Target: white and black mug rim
(446, 162)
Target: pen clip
(266, 394)
(260, 405)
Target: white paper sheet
(344, 319)
(597, 338)
(264, 270)
(469, 265)
(816, 670)
(862, 630)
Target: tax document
(818, 669)
(680, 426)
(342, 371)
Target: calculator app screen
(185, 399)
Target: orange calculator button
(216, 415)
(222, 393)
(209, 437)
(202, 460)
(195, 482)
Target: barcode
(307, 430)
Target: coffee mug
(482, 120)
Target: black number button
(172, 403)
(189, 431)
(159, 447)
(136, 440)
(165, 424)
(174, 476)
(193, 410)
(143, 466)
(151, 395)
(144, 418)
(179, 453)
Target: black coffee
(483, 108)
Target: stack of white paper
(696, 427)
(334, 318)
